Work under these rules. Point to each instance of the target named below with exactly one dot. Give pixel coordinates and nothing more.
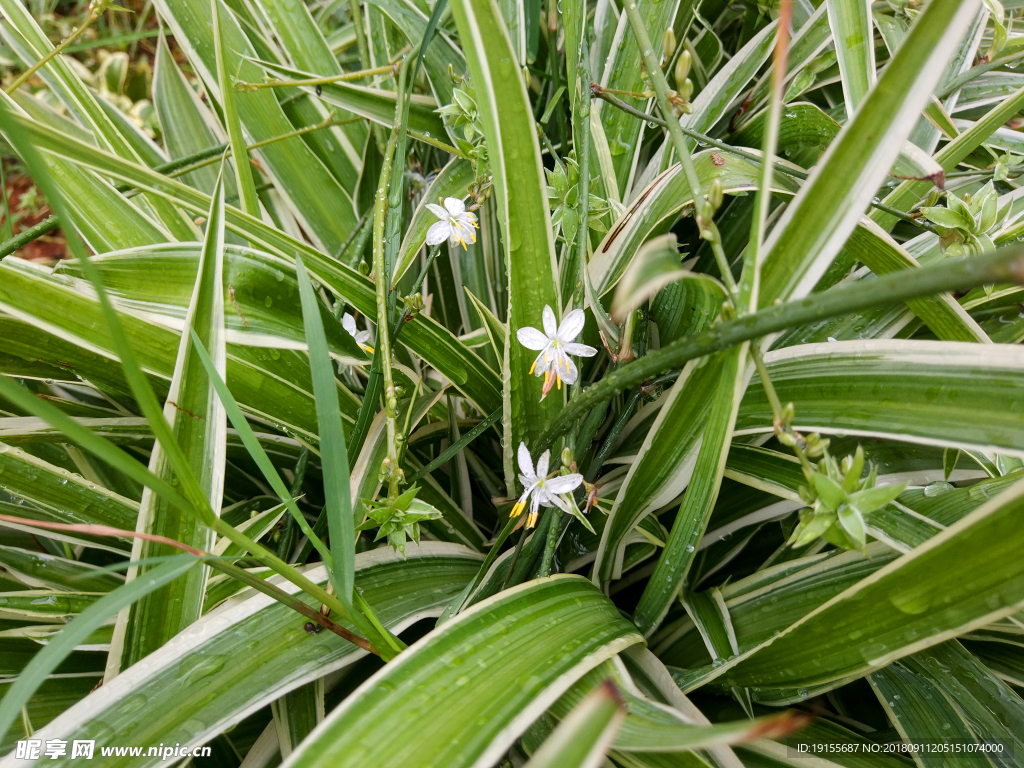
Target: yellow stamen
(531, 521)
(533, 367)
(517, 510)
(367, 348)
(559, 380)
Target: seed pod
(683, 64)
(668, 43)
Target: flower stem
(342, 78)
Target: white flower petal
(558, 501)
(526, 462)
(535, 503)
(542, 363)
(542, 463)
(349, 324)
(582, 350)
(569, 371)
(454, 205)
(438, 211)
(362, 337)
(438, 232)
(531, 338)
(571, 325)
(550, 324)
(563, 483)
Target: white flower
(540, 490)
(349, 324)
(555, 344)
(456, 223)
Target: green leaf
(333, 453)
(871, 499)
(198, 425)
(927, 392)
(319, 202)
(466, 718)
(226, 67)
(624, 71)
(89, 620)
(942, 314)
(63, 496)
(583, 737)
(186, 123)
(828, 490)
(49, 571)
(256, 451)
(659, 204)
(850, 21)
(655, 265)
(964, 577)
(701, 493)
(664, 464)
(372, 103)
(252, 651)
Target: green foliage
(714, 392)
(398, 520)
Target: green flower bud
(788, 414)
(683, 64)
(715, 194)
(668, 43)
(566, 457)
(686, 89)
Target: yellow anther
(533, 367)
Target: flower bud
(715, 194)
(788, 414)
(668, 43)
(686, 89)
(785, 438)
(683, 64)
(566, 457)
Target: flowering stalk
(705, 209)
(390, 468)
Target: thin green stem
(438, 144)
(550, 544)
(22, 239)
(662, 94)
(345, 77)
(776, 406)
(392, 470)
(269, 589)
(94, 13)
(762, 201)
(613, 435)
(458, 445)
